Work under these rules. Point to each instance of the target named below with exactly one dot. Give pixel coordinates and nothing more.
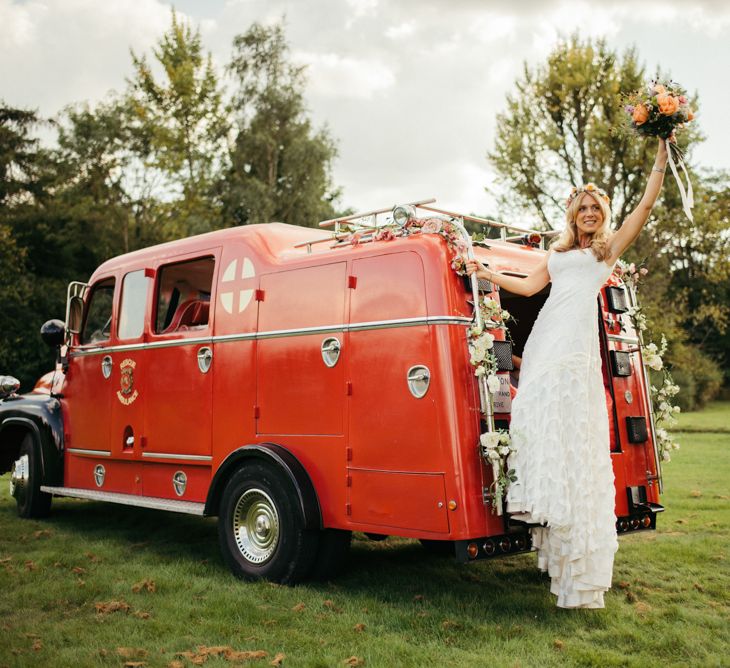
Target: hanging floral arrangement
(662, 397)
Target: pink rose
(385, 234)
(432, 226)
(354, 239)
(643, 271)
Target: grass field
(99, 585)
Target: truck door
(179, 368)
(128, 380)
(300, 373)
(396, 463)
(88, 388)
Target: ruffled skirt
(565, 477)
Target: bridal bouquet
(658, 110)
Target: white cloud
(405, 29)
(63, 51)
(332, 75)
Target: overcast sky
(408, 88)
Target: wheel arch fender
(285, 461)
(46, 437)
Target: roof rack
(370, 227)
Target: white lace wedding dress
(560, 430)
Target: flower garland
(665, 411)
(496, 446)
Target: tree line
(183, 150)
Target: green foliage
(280, 166)
(686, 294)
(557, 131)
(179, 127)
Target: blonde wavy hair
(568, 239)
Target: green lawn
(98, 585)
(716, 417)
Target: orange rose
(668, 104)
(640, 115)
(690, 115)
(659, 89)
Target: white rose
(494, 455)
(480, 371)
(485, 341)
(666, 457)
(493, 384)
(655, 363)
(504, 450)
(489, 439)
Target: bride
(559, 424)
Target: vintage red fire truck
(300, 385)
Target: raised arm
(635, 221)
(526, 286)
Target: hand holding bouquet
(658, 110)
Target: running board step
(171, 505)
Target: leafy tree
(687, 293)
(280, 166)
(557, 131)
(179, 127)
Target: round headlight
(403, 213)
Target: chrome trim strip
(623, 339)
(142, 346)
(282, 333)
(94, 453)
(188, 507)
(167, 455)
(302, 331)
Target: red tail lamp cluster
(634, 523)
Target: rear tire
(261, 527)
(25, 482)
(334, 546)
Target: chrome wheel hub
(256, 526)
(19, 478)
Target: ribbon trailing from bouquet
(686, 194)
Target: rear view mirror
(75, 314)
(53, 333)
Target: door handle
(419, 379)
(205, 359)
(106, 366)
(331, 349)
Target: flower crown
(590, 188)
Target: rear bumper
(475, 549)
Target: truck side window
(183, 296)
(98, 324)
(134, 300)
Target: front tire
(261, 527)
(25, 482)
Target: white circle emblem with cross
(238, 287)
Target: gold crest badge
(127, 393)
